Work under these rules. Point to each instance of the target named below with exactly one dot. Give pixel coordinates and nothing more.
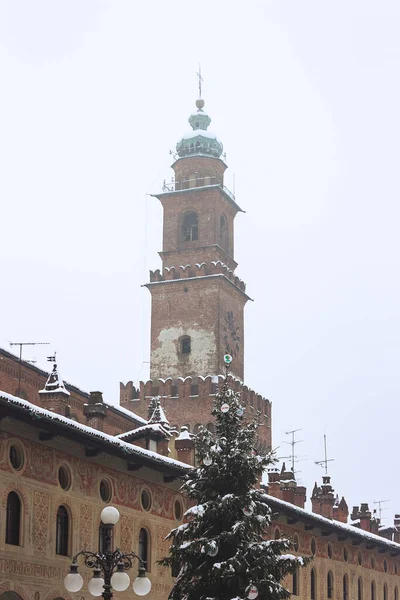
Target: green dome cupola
(200, 141)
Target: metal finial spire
(200, 80)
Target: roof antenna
(200, 80)
(21, 344)
(324, 463)
(380, 509)
(293, 443)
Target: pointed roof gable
(54, 383)
(158, 415)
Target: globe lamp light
(96, 584)
(120, 580)
(142, 584)
(109, 515)
(73, 582)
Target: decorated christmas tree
(223, 552)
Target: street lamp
(109, 567)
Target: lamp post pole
(109, 567)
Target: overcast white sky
(305, 97)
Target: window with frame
(313, 547)
(359, 589)
(186, 345)
(385, 592)
(330, 584)
(13, 519)
(396, 593)
(16, 457)
(345, 587)
(223, 232)
(105, 536)
(373, 590)
(144, 547)
(295, 582)
(190, 227)
(62, 531)
(313, 582)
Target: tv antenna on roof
(380, 509)
(324, 463)
(21, 344)
(293, 443)
(200, 79)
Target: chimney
(273, 483)
(397, 528)
(184, 446)
(95, 411)
(341, 511)
(300, 496)
(365, 517)
(287, 485)
(54, 395)
(323, 499)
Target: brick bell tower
(197, 300)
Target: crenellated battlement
(198, 270)
(191, 398)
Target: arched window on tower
(186, 345)
(13, 519)
(223, 232)
(190, 227)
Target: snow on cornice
(36, 412)
(142, 431)
(330, 523)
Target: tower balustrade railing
(190, 184)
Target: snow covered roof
(184, 434)
(324, 523)
(73, 388)
(54, 383)
(126, 412)
(18, 408)
(155, 428)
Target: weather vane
(200, 79)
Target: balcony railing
(189, 184)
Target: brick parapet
(202, 269)
(189, 401)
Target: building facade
(56, 476)
(65, 453)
